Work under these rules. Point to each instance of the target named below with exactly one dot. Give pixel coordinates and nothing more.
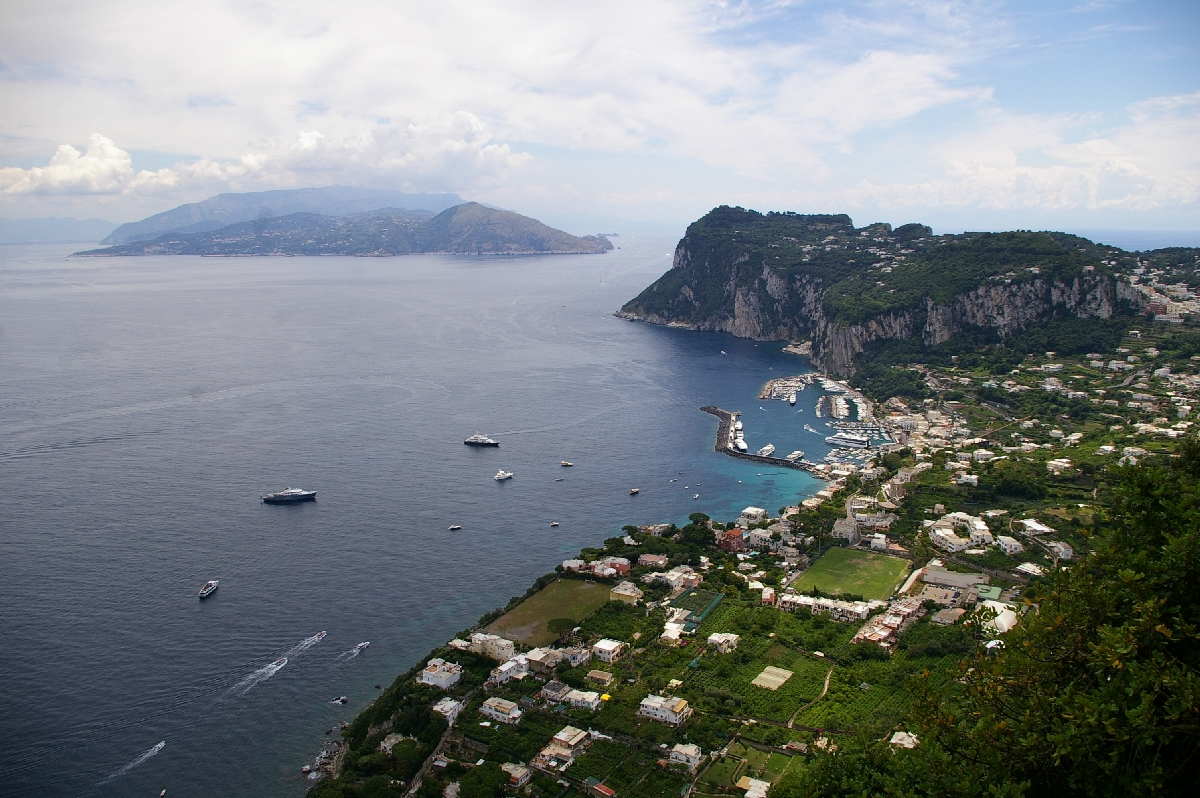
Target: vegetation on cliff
(466, 229)
(780, 276)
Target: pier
(724, 443)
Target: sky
(963, 115)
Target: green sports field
(874, 576)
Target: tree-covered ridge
(467, 229)
(863, 273)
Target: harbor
(725, 444)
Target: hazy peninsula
(465, 229)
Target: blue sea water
(146, 404)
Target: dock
(724, 443)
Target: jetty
(724, 444)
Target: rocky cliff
(790, 277)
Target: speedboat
(290, 496)
(209, 588)
(697, 496)
(502, 475)
(553, 523)
(558, 479)
(566, 464)
(455, 527)
(634, 491)
(363, 645)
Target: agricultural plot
(874, 576)
(640, 776)
(566, 598)
(730, 682)
(600, 759)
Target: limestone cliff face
(760, 304)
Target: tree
(1095, 693)
(483, 781)
(560, 626)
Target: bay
(146, 404)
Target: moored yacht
(502, 475)
(849, 439)
(480, 440)
(209, 588)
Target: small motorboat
(558, 479)
(363, 645)
(340, 700)
(553, 523)
(455, 527)
(566, 464)
(209, 588)
(502, 475)
(634, 491)
(697, 496)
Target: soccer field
(874, 576)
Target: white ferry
(767, 450)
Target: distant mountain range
(53, 230)
(464, 229)
(226, 209)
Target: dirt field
(566, 598)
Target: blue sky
(962, 115)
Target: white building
(687, 754)
(667, 709)
(608, 650)
(515, 668)
(879, 541)
(501, 710)
(625, 591)
(1009, 545)
(750, 516)
(518, 775)
(946, 540)
(448, 708)
(768, 595)
(1062, 551)
(493, 646)
(982, 537)
(835, 608)
(440, 673)
(724, 641)
(581, 699)
(1034, 527)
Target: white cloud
(103, 169)
(455, 151)
(817, 105)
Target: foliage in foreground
(1097, 692)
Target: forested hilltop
(466, 229)
(785, 276)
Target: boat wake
(259, 676)
(346, 656)
(305, 644)
(136, 762)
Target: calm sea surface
(146, 404)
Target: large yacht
(480, 440)
(290, 495)
(502, 475)
(849, 439)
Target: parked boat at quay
(849, 439)
(767, 450)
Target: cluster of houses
(961, 532)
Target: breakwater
(724, 443)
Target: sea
(147, 403)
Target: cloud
(449, 153)
(103, 169)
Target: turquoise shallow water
(146, 403)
